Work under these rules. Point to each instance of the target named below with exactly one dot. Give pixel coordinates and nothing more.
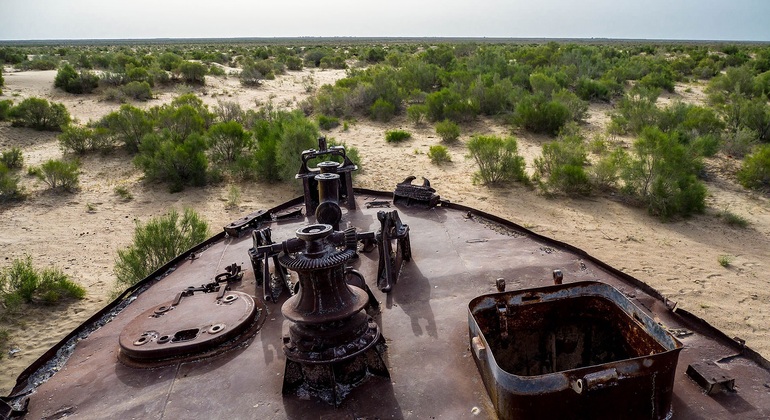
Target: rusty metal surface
(575, 350)
(456, 257)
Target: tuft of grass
(5, 342)
(22, 283)
(725, 260)
(396, 136)
(233, 197)
(123, 192)
(439, 154)
(91, 207)
(732, 219)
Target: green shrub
(739, 143)
(294, 63)
(592, 90)
(605, 173)
(382, 110)
(128, 125)
(60, 175)
(563, 164)
(5, 109)
(178, 162)
(192, 72)
(37, 113)
(327, 123)
(636, 110)
(69, 80)
(298, 134)
(416, 114)
(9, 185)
(227, 141)
(725, 260)
(253, 73)
(539, 115)
(395, 136)
(12, 159)
(157, 242)
(662, 175)
(755, 171)
(448, 130)
(498, 160)
(81, 140)
(140, 91)
(21, 282)
(439, 154)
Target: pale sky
(735, 20)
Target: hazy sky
(746, 20)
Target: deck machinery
(348, 303)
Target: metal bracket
(391, 230)
(711, 377)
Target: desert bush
(21, 283)
(416, 114)
(294, 63)
(60, 175)
(69, 80)
(540, 115)
(215, 70)
(498, 160)
(635, 111)
(592, 90)
(128, 125)
(254, 72)
(5, 109)
(176, 161)
(755, 171)
(739, 143)
(448, 130)
(605, 173)
(382, 110)
(157, 242)
(439, 154)
(227, 141)
(662, 175)
(191, 72)
(9, 185)
(12, 159)
(562, 164)
(449, 104)
(298, 134)
(327, 123)
(37, 113)
(114, 95)
(141, 91)
(81, 140)
(396, 136)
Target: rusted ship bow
(347, 303)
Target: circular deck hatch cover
(197, 326)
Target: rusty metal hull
(457, 254)
(576, 350)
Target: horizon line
(384, 39)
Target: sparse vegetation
(9, 185)
(397, 136)
(22, 283)
(439, 154)
(448, 130)
(725, 260)
(755, 172)
(498, 160)
(37, 113)
(158, 242)
(60, 175)
(732, 219)
(123, 192)
(12, 159)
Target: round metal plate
(198, 324)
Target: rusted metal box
(578, 350)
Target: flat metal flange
(196, 326)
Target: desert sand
(81, 232)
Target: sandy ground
(679, 258)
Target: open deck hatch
(572, 350)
